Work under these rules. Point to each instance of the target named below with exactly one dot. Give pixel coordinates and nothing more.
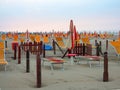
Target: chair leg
(5, 67)
(118, 58)
(63, 66)
(99, 63)
(51, 66)
(89, 62)
(71, 60)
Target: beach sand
(73, 77)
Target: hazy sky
(46, 15)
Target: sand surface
(73, 77)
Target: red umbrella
(27, 34)
(75, 33)
(71, 31)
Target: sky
(49, 15)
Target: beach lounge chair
(15, 37)
(53, 61)
(9, 35)
(37, 38)
(3, 62)
(60, 42)
(85, 54)
(89, 59)
(85, 40)
(46, 39)
(22, 40)
(3, 37)
(116, 46)
(32, 37)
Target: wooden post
(44, 50)
(106, 45)
(54, 48)
(30, 47)
(27, 61)
(15, 52)
(80, 49)
(35, 47)
(19, 55)
(100, 48)
(5, 44)
(83, 49)
(69, 51)
(97, 50)
(95, 42)
(105, 74)
(21, 45)
(100, 43)
(38, 70)
(24, 46)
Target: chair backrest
(45, 39)
(37, 38)
(116, 46)
(32, 37)
(115, 43)
(2, 50)
(22, 40)
(3, 37)
(2, 55)
(86, 40)
(9, 35)
(15, 37)
(2, 45)
(60, 42)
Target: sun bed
(53, 61)
(89, 59)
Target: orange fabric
(1, 45)
(2, 58)
(116, 45)
(22, 40)
(15, 37)
(9, 35)
(86, 40)
(37, 38)
(60, 42)
(3, 37)
(55, 60)
(45, 39)
(32, 37)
